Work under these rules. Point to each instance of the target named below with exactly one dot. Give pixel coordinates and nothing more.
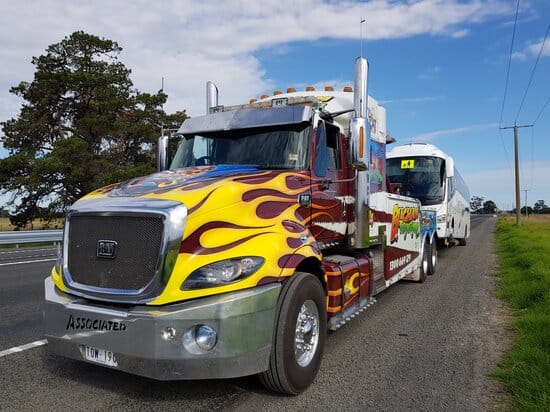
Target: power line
(509, 64)
(542, 110)
(532, 157)
(505, 151)
(532, 73)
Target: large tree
(82, 125)
(540, 206)
(489, 207)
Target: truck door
(329, 188)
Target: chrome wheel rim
(307, 333)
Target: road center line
(21, 348)
(27, 261)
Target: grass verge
(524, 266)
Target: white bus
(425, 172)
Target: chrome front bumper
(243, 321)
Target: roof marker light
(347, 89)
(276, 92)
(329, 89)
(310, 89)
(290, 90)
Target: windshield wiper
(331, 115)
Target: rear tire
(299, 336)
(424, 265)
(432, 256)
(464, 240)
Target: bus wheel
(424, 265)
(432, 256)
(463, 241)
(299, 336)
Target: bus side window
(451, 188)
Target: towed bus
(425, 172)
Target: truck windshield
(422, 177)
(274, 147)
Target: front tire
(299, 336)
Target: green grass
(524, 266)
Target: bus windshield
(273, 147)
(422, 177)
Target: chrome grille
(138, 241)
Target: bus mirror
(449, 167)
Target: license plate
(102, 356)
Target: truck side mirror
(162, 154)
(359, 166)
(321, 151)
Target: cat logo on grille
(106, 249)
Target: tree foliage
(528, 212)
(489, 207)
(82, 125)
(541, 207)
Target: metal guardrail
(30, 236)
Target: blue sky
(439, 66)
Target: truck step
(349, 313)
(379, 283)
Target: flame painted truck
(272, 224)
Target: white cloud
(427, 137)
(189, 42)
(532, 49)
(423, 99)
(519, 56)
(460, 33)
(429, 74)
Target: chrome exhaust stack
(211, 96)
(360, 97)
(162, 153)
(360, 152)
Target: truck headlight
(222, 272)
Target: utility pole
(526, 209)
(516, 156)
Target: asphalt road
(27, 254)
(420, 347)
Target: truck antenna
(363, 20)
(162, 105)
